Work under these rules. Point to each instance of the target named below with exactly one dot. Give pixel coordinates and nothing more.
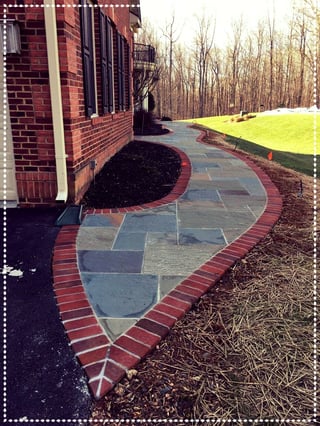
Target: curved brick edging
(106, 362)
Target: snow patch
(292, 110)
(9, 270)
(16, 273)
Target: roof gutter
(56, 101)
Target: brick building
(69, 91)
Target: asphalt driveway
(43, 377)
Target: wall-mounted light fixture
(13, 44)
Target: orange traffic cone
(270, 156)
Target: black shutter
(104, 65)
(121, 74)
(87, 52)
(120, 106)
(109, 34)
(128, 77)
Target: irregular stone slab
(121, 295)
(166, 209)
(134, 222)
(201, 205)
(103, 220)
(201, 176)
(237, 192)
(253, 186)
(207, 185)
(96, 238)
(218, 154)
(114, 327)
(110, 261)
(166, 259)
(225, 171)
(201, 194)
(162, 237)
(130, 241)
(203, 167)
(236, 203)
(169, 282)
(201, 236)
(215, 219)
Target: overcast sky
(223, 12)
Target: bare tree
(170, 33)
(234, 61)
(216, 73)
(267, 68)
(271, 28)
(203, 45)
(307, 25)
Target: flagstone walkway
(133, 272)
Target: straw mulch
(246, 349)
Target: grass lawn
(290, 137)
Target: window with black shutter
(106, 43)
(88, 54)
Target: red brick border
(104, 362)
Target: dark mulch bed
(140, 173)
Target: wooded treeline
(272, 66)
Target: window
(107, 80)
(88, 52)
(114, 60)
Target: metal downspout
(56, 101)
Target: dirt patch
(245, 350)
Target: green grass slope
(291, 137)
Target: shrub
(239, 119)
(142, 119)
(151, 102)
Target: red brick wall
(30, 108)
